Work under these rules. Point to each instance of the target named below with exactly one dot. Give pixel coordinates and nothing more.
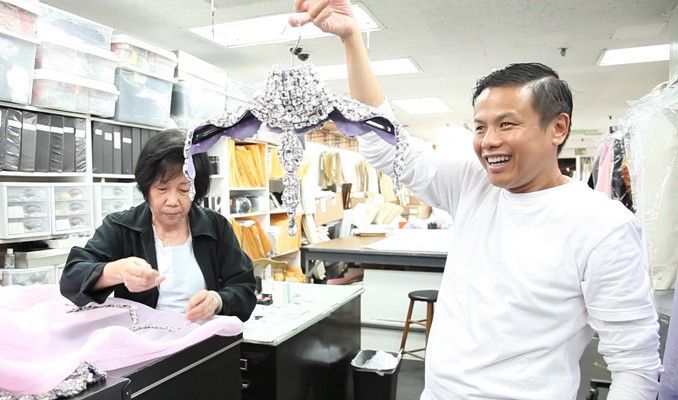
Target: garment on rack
(295, 101)
(610, 173)
(331, 173)
(651, 142)
(45, 338)
(362, 176)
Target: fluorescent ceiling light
(427, 105)
(397, 66)
(634, 55)
(272, 29)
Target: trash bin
(374, 384)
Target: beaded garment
(294, 101)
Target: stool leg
(406, 329)
(429, 319)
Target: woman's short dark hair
(162, 158)
(550, 94)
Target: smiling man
(537, 261)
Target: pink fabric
(41, 344)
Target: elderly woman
(168, 252)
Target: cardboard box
(328, 209)
(421, 211)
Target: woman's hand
(331, 16)
(203, 305)
(136, 274)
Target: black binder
(98, 147)
(42, 143)
(13, 139)
(3, 140)
(136, 147)
(80, 145)
(108, 148)
(127, 150)
(145, 133)
(69, 145)
(56, 143)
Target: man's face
(517, 153)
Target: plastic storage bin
(62, 27)
(41, 258)
(372, 384)
(144, 98)
(27, 276)
(17, 57)
(27, 210)
(71, 208)
(146, 57)
(72, 93)
(190, 67)
(19, 17)
(194, 102)
(58, 271)
(112, 197)
(77, 59)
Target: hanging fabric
(294, 101)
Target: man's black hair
(550, 95)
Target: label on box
(116, 140)
(14, 123)
(63, 224)
(98, 132)
(68, 129)
(56, 129)
(80, 133)
(15, 228)
(126, 140)
(15, 212)
(108, 136)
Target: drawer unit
(71, 208)
(112, 197)
(27, 207)
(58, 271)
(27, 276)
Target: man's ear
(560, 128)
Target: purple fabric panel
(352, 129)
(668, 384)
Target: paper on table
(415, 240)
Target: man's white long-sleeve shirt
(526, 278)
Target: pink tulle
(41, 343)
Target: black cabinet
(315, 364)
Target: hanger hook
(296, 45)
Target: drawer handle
(243, 364)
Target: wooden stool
(430, 297)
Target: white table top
(272, 325)
(414, 240)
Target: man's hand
(203, 305)
(331, 16)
